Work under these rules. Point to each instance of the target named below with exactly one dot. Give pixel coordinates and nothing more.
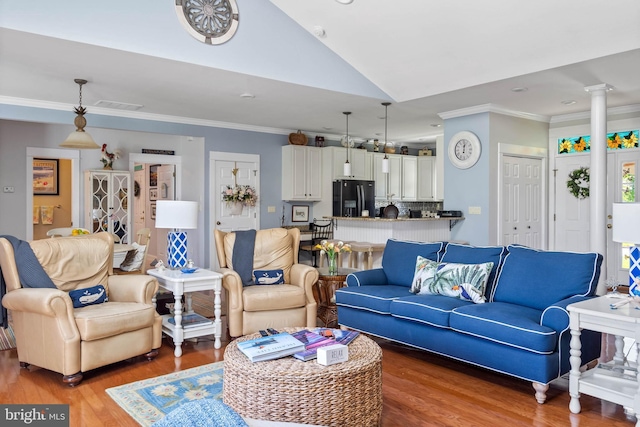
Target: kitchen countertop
(378, 219)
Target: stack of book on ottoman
(302, 344)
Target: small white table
(611, 381)
(180, 284)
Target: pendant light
(385, 159)
(79, 138)
(346, 170)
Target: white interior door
(521, 201)
(221, 167)
(622, 172)
(571, 214)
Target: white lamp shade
(176, 214)
(385, 165)
(79, 139)
(626, 222)
(346, 170)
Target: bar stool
(366, 249)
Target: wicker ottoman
(290, 390)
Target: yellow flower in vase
(332, 249)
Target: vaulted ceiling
(305, 62)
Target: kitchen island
(379, 230)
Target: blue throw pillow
(88, 296)
(269, 277)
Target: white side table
(181, 284)
(611, 381)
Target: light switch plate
(475, 210)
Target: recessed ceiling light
(435, 125)
(345, 1)
(519, 89)
(247, 95)
(326, 128)
(568, 102)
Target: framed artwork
(153, 175)
(153, 194)
(45, 177)
(300, 213)
(153, 210)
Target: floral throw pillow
(463, 281)
(424, 275)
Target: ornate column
(598, 175)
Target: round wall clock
(210, 21)
(464, 149)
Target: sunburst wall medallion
(210, 21)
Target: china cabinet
(107, 202)
(301, 173)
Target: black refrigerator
(351, 197)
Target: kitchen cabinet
(301, 172)
(107, 202)
(426, 178)
(335, 157)
(409, 178)
(388, 185)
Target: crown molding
(492, 108)
(613, 111)
(23, 102)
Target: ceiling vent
(118, 105)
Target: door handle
(218, 223)
(609, 226)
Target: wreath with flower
(244, 194)
(578, 183)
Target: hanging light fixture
(79, 138)
(385, 159)
(347, 166)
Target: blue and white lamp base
(177, 249)
(634, 271)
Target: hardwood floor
(419, 389)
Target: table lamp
(626, 229)
(176, 214)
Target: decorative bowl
(188, 270)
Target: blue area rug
(148, 401)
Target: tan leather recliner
(51, 334)
(256, 307)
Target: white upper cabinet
(409, 178)
(426, 178)
(388, 185)
(301, 172)
(335, 158)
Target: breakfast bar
(379, 230)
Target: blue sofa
(522, 328)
